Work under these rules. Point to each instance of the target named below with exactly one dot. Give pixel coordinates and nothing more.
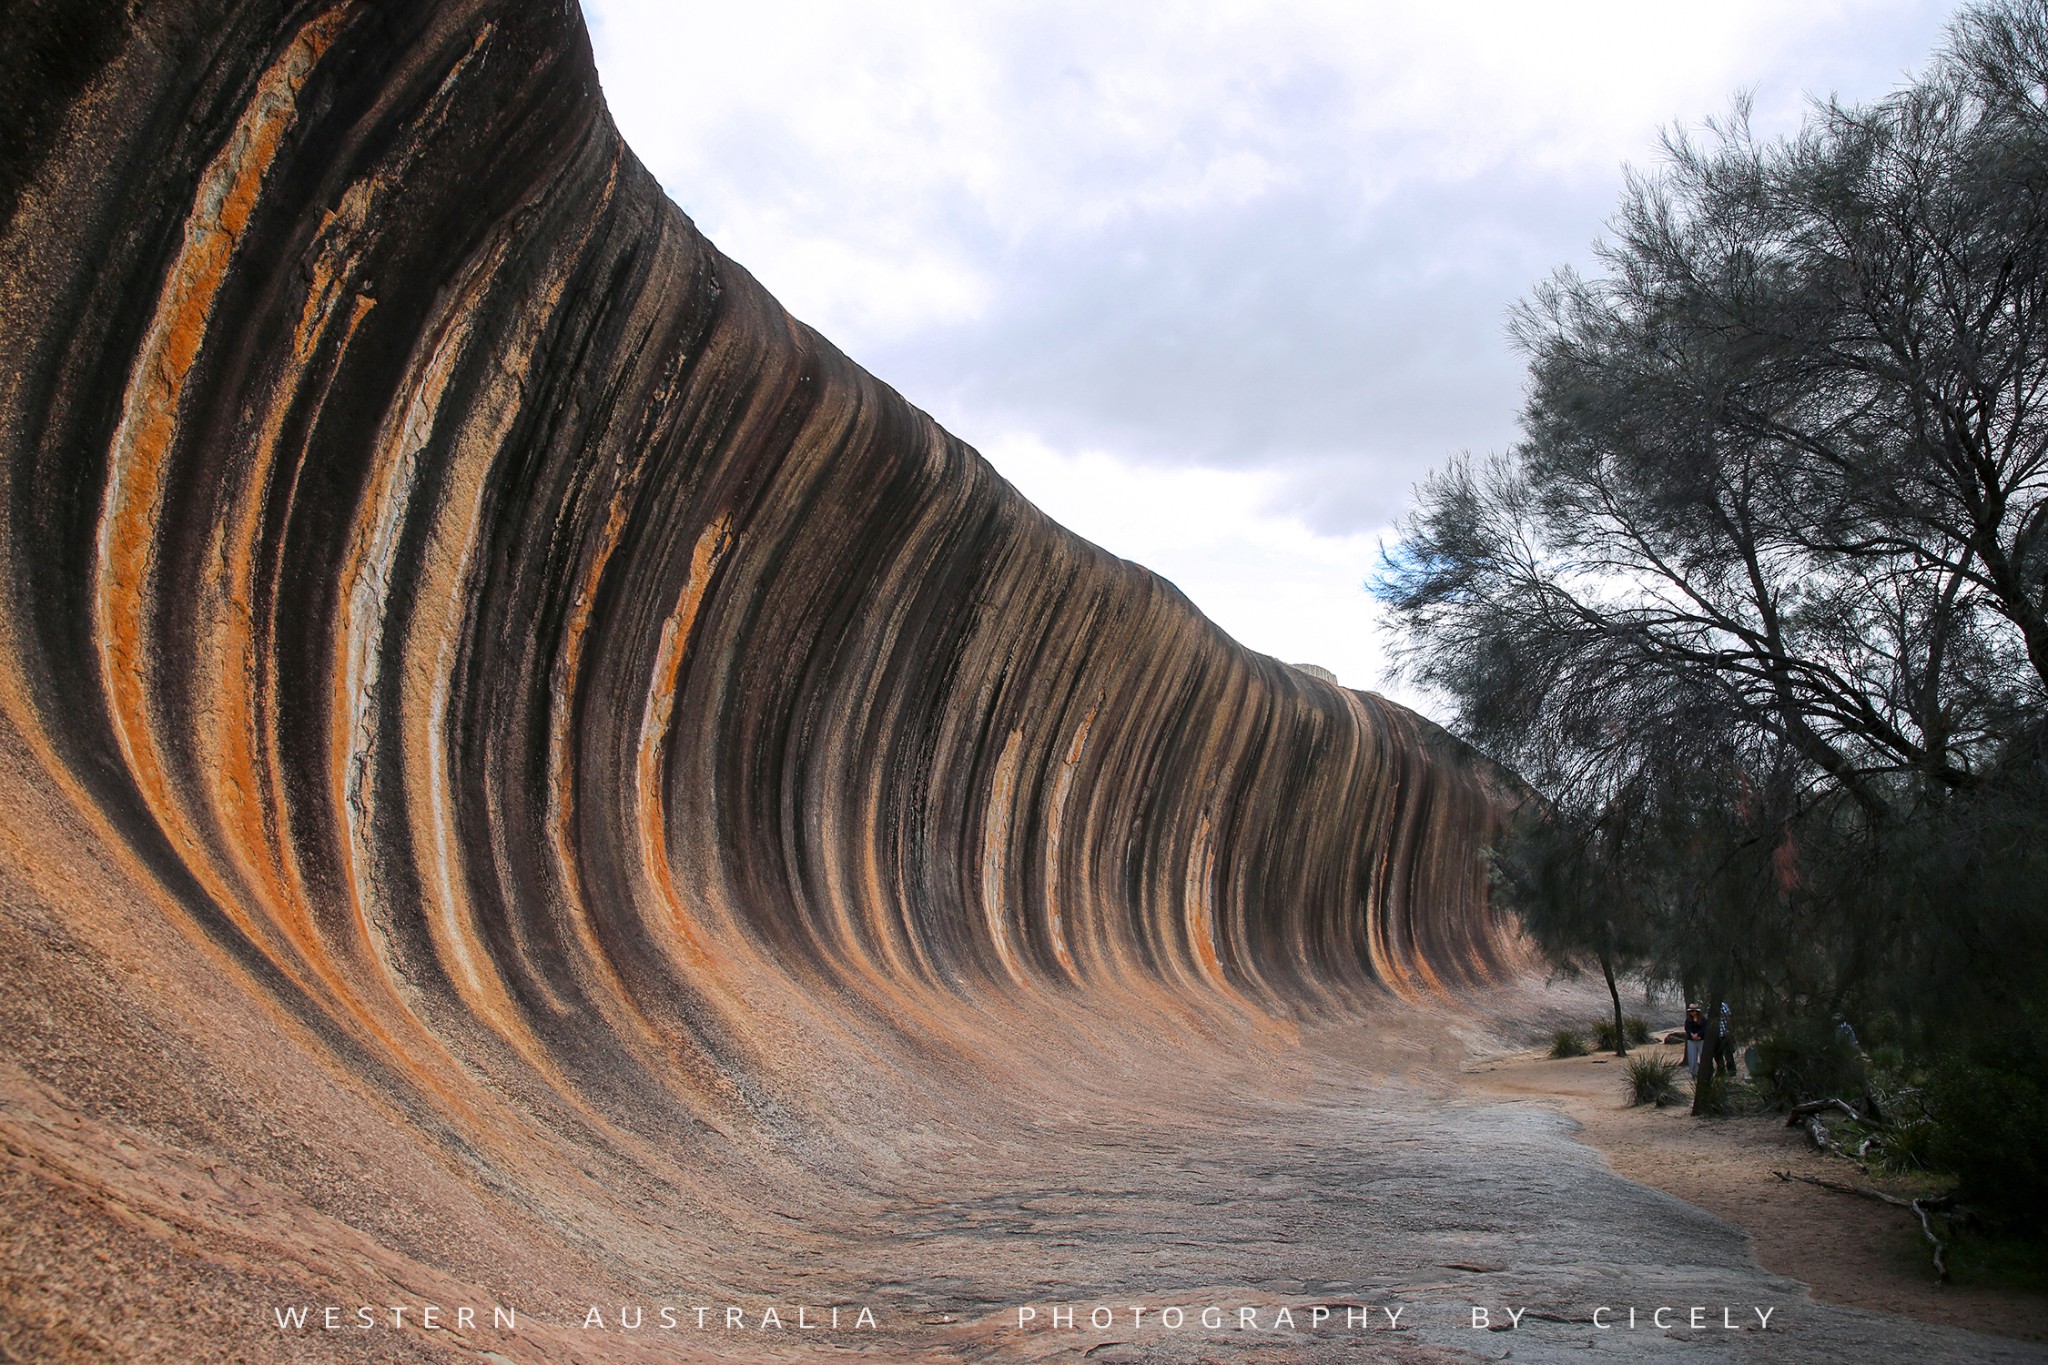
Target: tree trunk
(1620, 1033)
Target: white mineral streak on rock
(995, 849)
(1056, 825)
(138, 480)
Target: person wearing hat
(1695, 1038)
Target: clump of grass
(1908, 1148)
(1653, 1080)
(1568, 1042)
(1637, 1031)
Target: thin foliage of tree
(1759, 603)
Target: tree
(1759, 603)
(1572, 888)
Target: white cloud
(1150, 248)
(1260, 572)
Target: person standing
(1695, 1039)
(1724, 1040)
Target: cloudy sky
(1215, 282)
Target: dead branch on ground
(1812, 1107)
(1920, 1208)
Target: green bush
(1568, 1042)
(1809, 1061)
(1902, 1130)
(1638, 1030)
(1653, 1080)
(1989, 1111)
(1908, 1145)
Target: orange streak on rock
(712, 544)
(142, 442)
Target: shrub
(1638, 1030)
(1902, 1130)
(1907, 1146)
(1568, 1042)
(1809, 1061)
(1990, 1127)
(1653, 1080)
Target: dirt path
(1850, 1251)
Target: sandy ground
(1850, 1251)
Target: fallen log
(1812, 1107)
(1822, 1138)
(1927, 1230)
(1840, 1188)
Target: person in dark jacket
(1695, 1038)
(1724, 1040)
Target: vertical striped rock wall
(493, 654)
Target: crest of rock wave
(527, 766)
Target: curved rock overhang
(551, 688)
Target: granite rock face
(472, 659)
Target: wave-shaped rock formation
(526, 766)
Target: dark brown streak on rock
(571, 704)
